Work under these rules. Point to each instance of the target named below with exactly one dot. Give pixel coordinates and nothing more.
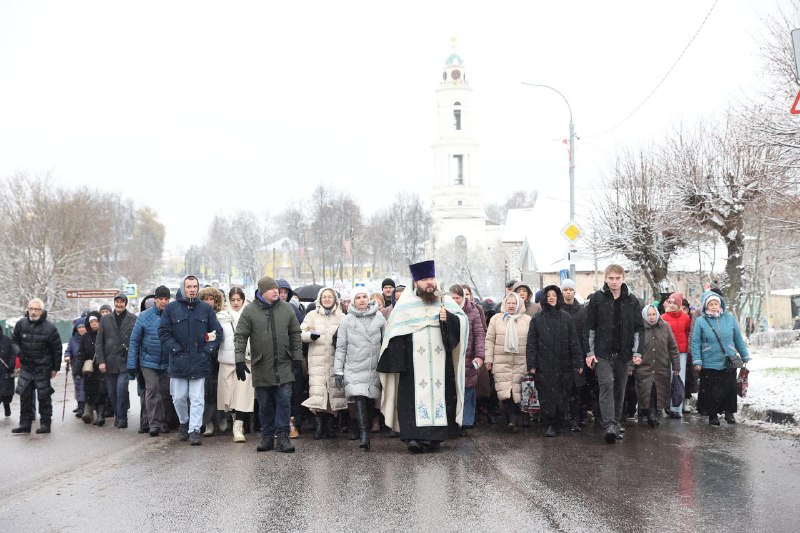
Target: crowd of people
(422, 363)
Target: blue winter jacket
(706, 349)
(144, 350)
(182, 329)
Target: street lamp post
(571, 168)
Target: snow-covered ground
(774, 387)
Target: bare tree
(719, 174)
(634, 217)
(412, 223)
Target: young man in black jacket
(613, 334)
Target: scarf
(512, 339)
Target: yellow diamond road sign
(572, 232)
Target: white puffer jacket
(321, 383)
(358, 349)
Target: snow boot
(713, 419)
(238, 431)
(88, 413)
(293, 433)
(283, 444)
(183, 432)
(44, 426)
(24, 427)
(729, 418)
(266, 444)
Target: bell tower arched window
(457, 115)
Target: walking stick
(66, 382)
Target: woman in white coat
(318, 329)
(358, 349)
(233, 395)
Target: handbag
(677, 391)
(529, 401)
(731, 361)
(741, 382)
(88, 366)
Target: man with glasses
(40, 360)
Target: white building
(457, 206)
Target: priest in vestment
(422, 363)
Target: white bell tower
(457, 203)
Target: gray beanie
(567, 284)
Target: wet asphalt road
(684, 476)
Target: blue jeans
(274, 409)
(679, 409)
(469, 407)
(194, 390)
(117, 385)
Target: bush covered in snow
(773, 339)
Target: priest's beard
(426, 292)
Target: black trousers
(38, 379)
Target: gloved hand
(242, 371)
(314, 335)
(339, 381)
(297, 367)
(131, 374)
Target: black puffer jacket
(39, 343)
(600, 319)
(553, 345)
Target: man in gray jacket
(111, 354)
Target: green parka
(274, 335)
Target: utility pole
(571, 170)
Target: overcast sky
(198, 107)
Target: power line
(621, 122)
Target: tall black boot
(362, 416)
(330, 426)
(353, 416)
(319, 432)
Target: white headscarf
(512, 339)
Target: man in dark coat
(578, 399)
(40, 360)
(387, 289)
(271, 326)
(422, 364)
(613, 334)
(8, 357)
(553, 354)
(189, 332)
(111, 354)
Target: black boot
(362, 416)
(652, 418)
(266, 444)
(44, 426)
(330, 427)
(283, 444)
(7, 408)
(353, 416)
(24, 427)
(101, 418)
(319, 432)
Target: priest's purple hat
(425, 269)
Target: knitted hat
(162, 292)
(265, 284)
(387, 281)
(106, 307)
(567, 284)
(676, 298)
